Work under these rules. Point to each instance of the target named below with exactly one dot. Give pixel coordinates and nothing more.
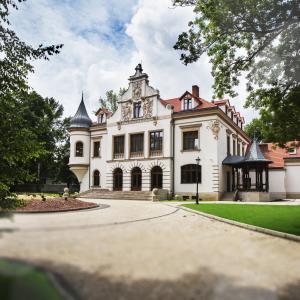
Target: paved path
(144, 250)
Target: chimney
(195, 91)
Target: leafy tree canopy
(111, 101)
(24, 117)
(260, 38)
(16, 54)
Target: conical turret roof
(81, 118)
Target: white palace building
(153, 143)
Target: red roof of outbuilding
(277, 154)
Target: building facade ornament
(215, 128)
(147, 108)
(136, 90)
(126, 111)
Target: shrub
(9, 200)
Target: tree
(255, 129)
(16, 54)
(19, 142)
(279, 116)
(258, 37)
(111, 101)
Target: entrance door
(156, 178)
(228, 182)
(136, 179)
(118, 179)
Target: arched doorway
(136, 179)
(156, 178)
(118, 179)
(96, 178)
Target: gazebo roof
(81, 118)
(253, 156)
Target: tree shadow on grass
(204, 284)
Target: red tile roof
(176, 102)
(277, 155)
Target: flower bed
(55, 204)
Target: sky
(103, 42)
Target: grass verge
(20, 281)
(276, 217)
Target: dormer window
(292, 151)
(137, 110)
(187, 104)
(101, 119)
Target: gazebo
(250, 173)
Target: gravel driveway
(144, 250)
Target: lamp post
(197, 179)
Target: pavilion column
(233, 179)
(267, 178)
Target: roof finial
(82, 96)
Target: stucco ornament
(215, 128)
(126, 111)
(147, 108)
(136, 90)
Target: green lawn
(19, 281)
(276, 217)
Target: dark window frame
(188, 140)
(233, 147)
(119, 144)
(137, 110)
(96, 178)
(187, 104)
(79, 151)
(228, 145)
(96, 150)
(156, 140)
(189, 173)
(136, 143)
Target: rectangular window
(233, 147)
(189, 173)
(101, 119)
(228, 145)
(190, 140)
(187, 104)
(239, 149)
(137, 144)
(156, 142)
(96, 149)
(137, 110)
(243, 150)
(119, 146)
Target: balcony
(154, 153)
(137, 154)
(118, 155)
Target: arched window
(117, 179)
(96, 178)
(79, 149)
(136, 179)
(189, 173)
(156, 178)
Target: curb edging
(275, 233)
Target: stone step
(119, 195)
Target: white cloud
(99, 54)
